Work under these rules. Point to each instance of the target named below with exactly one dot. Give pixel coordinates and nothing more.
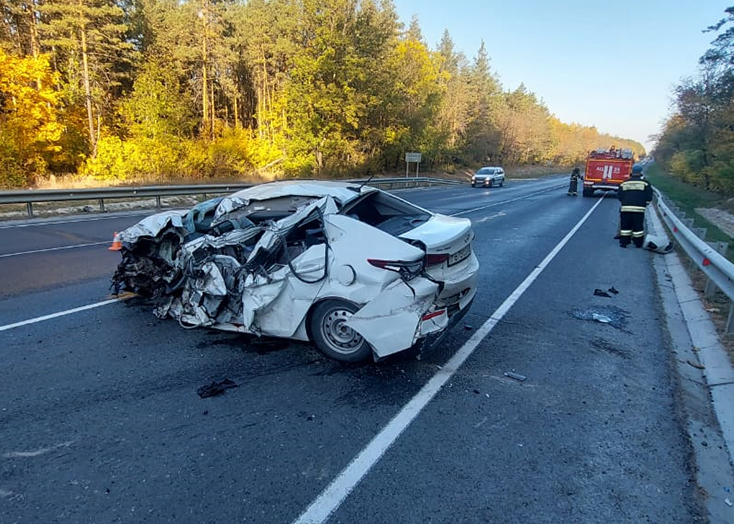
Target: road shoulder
(706, 384)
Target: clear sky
(612, 65)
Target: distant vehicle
(606, 169)
(488, 177)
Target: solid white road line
(56, 222)
(505, 201)
(332, 497)
(54, 249)
(60, 314)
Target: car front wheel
(330, 334)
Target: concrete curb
(705, 378)
(711, 355)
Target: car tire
(502, 182)
(332, 337)
(473, 185)
(491, 183)
(587, 192)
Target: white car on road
(356, 270)
(488, 177)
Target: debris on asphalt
(695, 365)
(468, 327)
(613, 290)
(601, 318)
(658, 243)
(728, 502)
(601, 293)
(516, 376)
(215, 388)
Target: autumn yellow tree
(29, 129)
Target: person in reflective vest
(634, 194)
(574, 182)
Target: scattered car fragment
(355, 270)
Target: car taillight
(406, 269)
(429, 316)
(436, 260)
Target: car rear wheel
(332, 336)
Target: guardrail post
(728, 327)
(101, 205)
(700, 232)
(29, 207)
(710, 289)
(688, 222)
(158, 202)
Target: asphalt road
(100, 420)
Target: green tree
(482, 136)
(92, 49)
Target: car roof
(342, 192)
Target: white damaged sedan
(356, 270)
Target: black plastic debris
(516, 376)
(601, 293)
(215, 388)
(613, 290)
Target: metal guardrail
(29, 197)
(706, 256)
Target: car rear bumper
(428, 344)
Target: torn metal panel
(275, 234)
(277, 303)
(154, 224)
(390, 321)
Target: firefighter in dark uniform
(634, 194)
(573, 186)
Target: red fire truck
(606, 169)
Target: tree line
(696, 143)
(159, 89)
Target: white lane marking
(60, 314)
(503, 202)
(332, 497)
(53, 249)
(72, 221)
(37, 452)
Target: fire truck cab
(606, 169)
